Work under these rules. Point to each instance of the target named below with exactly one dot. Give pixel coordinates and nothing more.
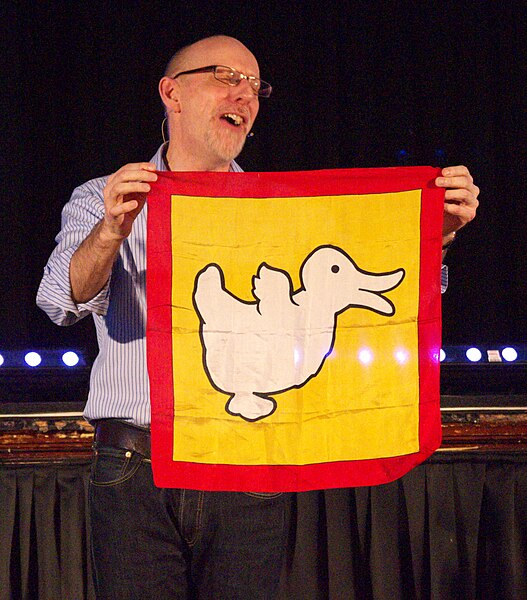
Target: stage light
(509, 354)
(401, 356)
(473, 354)
(442, 355)
(33, 359)
(403, 156)
(1, 360)
(70, 359)
(365, 356)
(297, 356)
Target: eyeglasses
(233, 77)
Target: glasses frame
(261, 93)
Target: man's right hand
(124, 198)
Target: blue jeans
(154, 543)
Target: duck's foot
(250, 407)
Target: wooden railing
(44, 438)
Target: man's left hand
(461, 198)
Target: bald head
(189, 57)
(208, 118)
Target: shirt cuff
(55, 297)
(444, 278)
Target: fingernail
(447, 172)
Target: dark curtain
(450, 529)
(44, 549)
(453, 528)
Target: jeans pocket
(263, 495)
(112, 466)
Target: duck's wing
(272, 288)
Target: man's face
(215, 118)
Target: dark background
(355, 84)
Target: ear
(169, 92)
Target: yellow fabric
(350, 410)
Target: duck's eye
(335, 269)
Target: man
(150, 542)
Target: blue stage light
(442, 355)
(509, 354)
(33, 359)
(473, 354)
(70, 359)
(403, 157)
(1, 360)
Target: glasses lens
(264, 89)
(228, 76)
(233, 77)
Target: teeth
(236, 119)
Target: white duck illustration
(280, 341)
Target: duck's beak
(370, 286)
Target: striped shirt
(119, 386)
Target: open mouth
(233, 119)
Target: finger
(120, 189)
(133, 175)
(142, 166)
(124, 208)
(454, 171)
(458, 181)
(461, 196)
(134, 172)
(462, 212)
